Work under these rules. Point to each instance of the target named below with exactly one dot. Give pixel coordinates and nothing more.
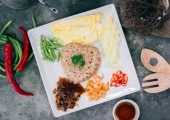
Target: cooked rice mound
(91, 56)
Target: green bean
(58, 56)
(47, 55)
(16, 52)
(3, 39)
(1, 63)
(30, 57)
(41, 47)
(53, 47)
(41, 44)
(19, 45)
(3, 36)
(2, 68)
(43, 52)
(49, 41)
(41, 41)
(16, 56)
(57, 43)
(46, 42)
(34, 22)
(45, 58)
(51, 54)
(3, 76)
(48, 47)
(5, 27)
(2, 42)
(16, 45)
(46, 51)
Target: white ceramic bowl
(129, 101)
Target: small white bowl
(129, 101)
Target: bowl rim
(130, 101)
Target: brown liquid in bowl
(125, 111)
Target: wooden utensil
(161, 66)
(163, 82)
(162, 69)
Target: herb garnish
(78, 60)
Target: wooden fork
(162, 69)
(163, 82)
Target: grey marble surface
(16, 107)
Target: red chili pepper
(9, 71)
(25, 54)
(119, 79)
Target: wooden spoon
(163, 82)
(161, 66)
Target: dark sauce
(71, 86)
(67, 94)
(125, 111)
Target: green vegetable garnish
(78, 60)
(50, 48)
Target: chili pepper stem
(16, 74)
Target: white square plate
(50, 72)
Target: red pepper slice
(119, 79)
(25, 54)
(9, 71)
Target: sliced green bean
(53, 55)
(58, 56)
(45, 58)
(49, 41)
(46, 52)
(58, 44)
(48, 47)
(5, 27)
(45, 41)
(47, 55)
(41, 41)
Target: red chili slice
(119, 79)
